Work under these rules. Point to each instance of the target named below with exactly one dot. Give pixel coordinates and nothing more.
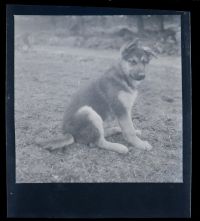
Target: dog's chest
(127, 99)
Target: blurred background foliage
(161, 32)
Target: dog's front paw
(144, 145)
(138, 132)
(147, 145)
(121, 149)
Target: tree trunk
(160, 22)
(140, 24)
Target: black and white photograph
(98, 98)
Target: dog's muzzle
(138, 77)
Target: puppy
(112, 94)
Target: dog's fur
(112, 94)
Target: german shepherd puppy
(112, 94)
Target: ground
(46, 78)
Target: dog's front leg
(130, 134)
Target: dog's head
(134, 58)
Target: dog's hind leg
(117, 130)
(112, 131)
(120, 148)
(97, 123)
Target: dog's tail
(59, 142)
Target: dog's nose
(141, 76)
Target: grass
(45, 80)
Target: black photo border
(92, 200)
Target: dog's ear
(133, 44)
(149, 52)
(127, 49)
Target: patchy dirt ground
(45, 80)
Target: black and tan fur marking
(112, 94)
